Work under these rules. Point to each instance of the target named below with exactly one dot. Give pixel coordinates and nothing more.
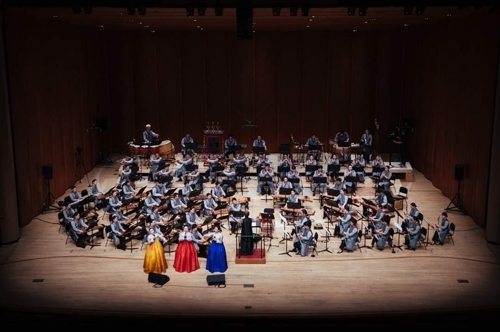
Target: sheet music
(400, 229)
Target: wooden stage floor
(371, 284)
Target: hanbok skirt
(216, 258)
(154, 258)
(186, 257)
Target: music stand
(258, 150)
(332, 168)
(365, 235)
(353, 180)
(311, 169)
(190, 146)
(293, 206)
(286, 236)
(266, 180)
(194, 193)
(400, 231)
(283, 169)
(268, 216)
(285, 191)
(421, 218)
(241, 171)
(332, 192)
(328, 235)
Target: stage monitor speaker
(101, 123)
(47, 171)
(459, 172)
(218, 280)
(158, 279)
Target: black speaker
(459, 172)
(101, 123)
(47, 171)
(158, 279)
(217, 280)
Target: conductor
(246, 244)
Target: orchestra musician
(76, 199)
(294, 174)
(194, 178)
(156, 219)
(342, 200)
(235, 206)
(192, 218)
(341, 137)
(230, 146)
(349, 237)
(240, 161)
(284, 184)
(158, 193)
(96, 195)
(129, 193)
(176, 204)
(187, 140)
(246, 243)
(122, 219)
(114, 202)
(263, 160)
(155, 164)
(377, 162)
(413, 234)
(359, 163)
(197, 237)
(213, 161)
(347, 184)
(322, 186)
(333, 161)
(124, 175)
(164, 175)
(293, 197)
(381, 235)
(218, 192)
(209, 205)
(337, 185)
(299, 225)
(376, 220)
(265, 178)
(401, 140)
(310, 162)
(234, 222)
(68, 213)
(409, 215)
(305, 240)
(366, 145)
(185, 192)
(149, 204)
(188, 160)
(285, 163)
(78, 229)
(442, 229)
(117, 231)
(127, 161)
(230, 178)
(385, 179)
(260, 143)
(313, 141)
(344, 222)
(148, 136)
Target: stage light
(420, 10)
(362, 10)
(408, 10)
(351, 10)
(276, 9)
(218, 10)
(190, 9)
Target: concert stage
(258, 257)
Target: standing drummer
(148, 135)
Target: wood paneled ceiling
(318, 19)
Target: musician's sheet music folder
(332, 192)
(291, 205)
(267, 215)
(369, 202)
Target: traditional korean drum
(154, 149)
(135, 149)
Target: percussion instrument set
(166, 149)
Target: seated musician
(124, 175)
(235, 206)
(366, 145)
(230, 146)
(218, 192)
(305, 240)
(294, 174)
(442, 229)
(293, 197)
(337, 185)
(209, 205)
(164, 175)
(409, 215)
(347, 184)
(194, 178)
(414, 234)
(122, 219)
(322, 186)
(259, 143)
(127, 161)
(188, 160)
(342, 200)
(114, 202)
(285, 184)
(149, 205)
(381, 198)
(381, 235)
(313, 141)
(344, 222)
(96, 195)
(117, 231)
(299, 225)
(375, 221)
(265, 178)
(197, 236)
(68, 213)
(148, 136)
(155, 164)
(230, 179)
(78, 228)
(156, 218)
(385, 179)
(310, 162)
(359, 164)
(185, 192)
(192, 218)
(129, 193)
(240, 161)
(176, 204)
(234, 222)
(333, 161)
(342, 137)
(349, 237)
(213, 161)
(286, 162)
(159, 192)
(379, 163)
(187, 140)
(263, 160)
(76, 199)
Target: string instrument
(310, 212)
(301, 198)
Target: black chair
(451, 233)
(402, 195)
(62, 224)
(109, 233)
(314, 244)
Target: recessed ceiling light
(426, 19)
(131, 20)
(152, 31)
(307, 26)
(201, 28)
(310, 20)
(354, 30)
(366, 22)
(449, 15)
(194, 20)
(140, 22)
(55, 16)
(314, 17)
(198, 26)
(101, 26)
(121, 13)
(146, 26)
(406, 24)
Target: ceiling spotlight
(351, 10)
(362, 10)
(141, 10)
(201, 9)
(420, 10)
(218, 10)
(276, 9)
(305, 10)
(190, 9)
(408, 10)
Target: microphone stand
(286, 237)
(426, 242)
(366, 233)
(399, 246)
